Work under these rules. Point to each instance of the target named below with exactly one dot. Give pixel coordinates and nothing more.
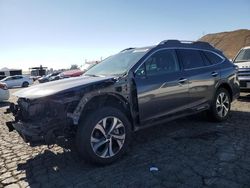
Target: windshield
(117, 64)
(87, 66)
(243, 56)
(5, 79)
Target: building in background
(38, 71)
(9, 72)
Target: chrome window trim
(174, 48)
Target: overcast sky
(58, 33)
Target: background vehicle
(242, 60)
(134, 89)
(71, 73)
(2, 77)
(50, 77)
(4, 92)
(17, 81)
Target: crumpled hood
(50, 88)
(243, 65)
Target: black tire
(213, 113)
(86, 129)
(25, 84)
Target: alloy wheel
(108, 137)
(222, 104)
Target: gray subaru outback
(134, 89)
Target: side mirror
(140, 73)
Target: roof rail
(185, 43)
(127, 49)
(173, 41)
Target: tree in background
(74, 66)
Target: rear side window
(213, 58)
(191, 58)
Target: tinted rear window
(191, 58)
(213, 58)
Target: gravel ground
(189, 152)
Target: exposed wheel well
(107, 100)
(228, 88)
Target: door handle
(182, 80)
(214, 74)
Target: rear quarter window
(212, 57)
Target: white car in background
(17, 81)
(4, 92)
(242, 60)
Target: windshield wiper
(91, 75)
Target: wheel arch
(226, 86)
(108, 99)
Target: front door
(162, 87)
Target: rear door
(162, 87)
(17, 81)
(202, 76)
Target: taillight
(3, 86)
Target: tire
(91, 143)
(217, 111)
(25, 84)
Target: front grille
(244, 72)
(243, 84)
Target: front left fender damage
(46, 121)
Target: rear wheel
(103, 136)
(221, 105)
(25, 84)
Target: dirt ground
(189, 152)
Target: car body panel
(58, 86)
(159, 96)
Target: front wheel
(103, 136)
(221, 105)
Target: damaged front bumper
(29, 132)
(46, 131)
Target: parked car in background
(242, 60)
(71, 73)
(50, 77)
(17, 81)
(87, 66)
(35, 78)
(4, 92)
(134, 89)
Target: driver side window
(160, 63)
